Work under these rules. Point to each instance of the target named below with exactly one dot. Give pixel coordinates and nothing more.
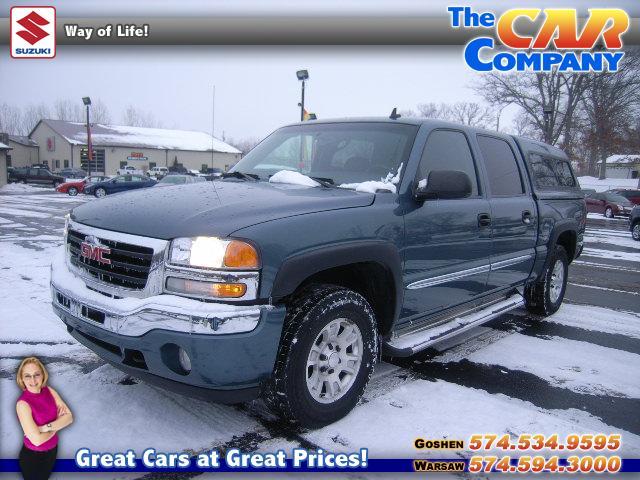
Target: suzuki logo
(33, 33)
(90, 250)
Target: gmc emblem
(95, 252)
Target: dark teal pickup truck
(329, 244)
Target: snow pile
(294, 178)
(607, 183)
(21, 188)
(613, 159)
(372, 186)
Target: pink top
(43, 411)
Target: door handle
(484, 220)
(527, 218)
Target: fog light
(206, 289)
(183, 358)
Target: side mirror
(443, 184)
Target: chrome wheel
(73, 191)
(635, 233)
(334, 360)
(608, 212)
(557, 281)
(100, 192)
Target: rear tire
(327, 354)
(608, 212)
(73, 191)
(545, 296)
(100, 192)
(56, 184)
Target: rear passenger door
(514, 218)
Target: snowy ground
(607, 183)
(575, 372)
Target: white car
(129, 170)
(158, 172)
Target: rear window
(551, 172)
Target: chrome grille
(130, 264)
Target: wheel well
(371, 280)
(568, 241)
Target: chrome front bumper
(137, 316)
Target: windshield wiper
(241, 175)
(325, 182)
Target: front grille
(129, 267)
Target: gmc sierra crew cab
(330, 244)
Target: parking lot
(575, 372)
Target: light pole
(302, 75)
(87, 102)
(547, 110)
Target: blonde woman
(42, 413)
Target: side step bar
(410, 343)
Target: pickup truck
(330, 244)
(36, 175)
(129, 170)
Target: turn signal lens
(241, 255)
(206, 289)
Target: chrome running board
(410, 343)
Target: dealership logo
(92, 250)
(542, 40)
(33, 32)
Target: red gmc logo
(95, 252)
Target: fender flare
(567, 225)
(296, 269)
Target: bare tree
(31, 115)
(68, 110)
(470, 113)
(433, 110)
(534, 93)
(100, 112)
(611, 104)
(10, 119)
(135, 117)
(244, 144)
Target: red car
(609, 204)
(632, 195)
(76, 187)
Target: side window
(502, 167)
(448, 150)
(542, 172)
(565, 177)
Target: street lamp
(547, 110)
(302, 76)
(87, 102)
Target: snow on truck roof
(138, 137)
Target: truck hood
(210, 208)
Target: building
(24, 152)
(623, 166)
(4, 150)
(64, 144)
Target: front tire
(100, 192)
(327, 354)
(73, 191)
(635, 232)
(545, 296)
(608, 212)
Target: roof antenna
(394, 114)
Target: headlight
(212, 252)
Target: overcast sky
(256, 87)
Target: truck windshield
(339, 153)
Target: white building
(24, 152)
(623, 166)
(4, 150)
(64, 144)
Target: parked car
(72, 173)
(129, 170)
(632, 195)
(40, 176)
(634, 223)
(179, 180)
(177, 169)
(157, 172)
(76, 187)
(609, 204)
(121, 183)
(282, 284)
